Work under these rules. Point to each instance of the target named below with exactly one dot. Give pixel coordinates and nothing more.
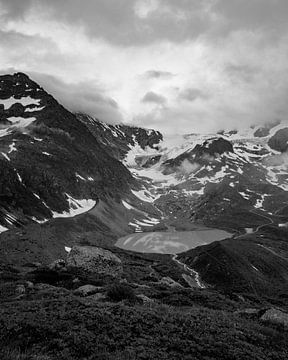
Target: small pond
(170, 242)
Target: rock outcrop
(87, 290)
(213, 147)
(94, 260)
(279, 140)
(274, 316)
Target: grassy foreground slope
(66, 328)
(47, 320)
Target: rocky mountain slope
(229, 180)
(51, 165)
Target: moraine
(170, 242)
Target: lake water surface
(170, 242)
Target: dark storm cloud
(107, 19)
(124, 22)
(16, 8)
(152, 97)
(254, 14)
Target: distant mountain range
(69, 178)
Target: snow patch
(137, 227)
(127, 206)
(6, 156)
(244, 195)
(143, 195)
(21, 122)
(25, 101)
(3, 229)
(19, 177)
(12, 148)
(259, 202)
(80, 177)
(77, 207)
(254, 267)
(142, 223)
(34, 109)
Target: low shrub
(119, 292)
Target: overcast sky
(175, 65)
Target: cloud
(253, 14)
(204, 65)
(81, 97)
(192, 94)
(17, 48)
(158, 74)
(152, 97)
(128, 22)
(138, 22)
(15, 8)
(242, 72)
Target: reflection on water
(170, 242)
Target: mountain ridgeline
(119, 139)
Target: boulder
(94, 260)
(29, 285)
(20, 290)
(87, 290)
(274, 316)
(145, 299)
(57, 265)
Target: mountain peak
(213, 146)
(18, 86)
